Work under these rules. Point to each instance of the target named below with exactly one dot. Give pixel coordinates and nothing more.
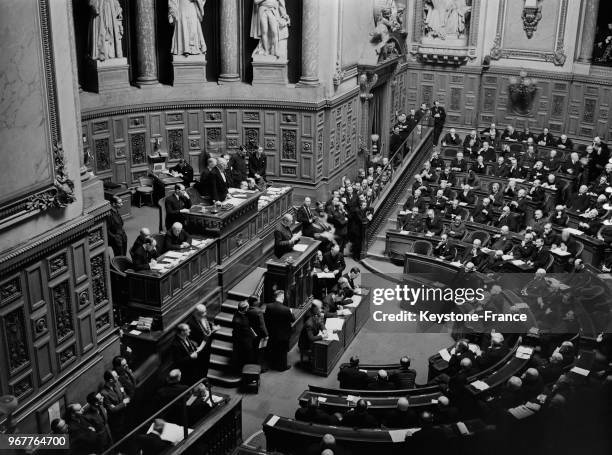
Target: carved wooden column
(229, 40)
(590, 9)
(310, 43)
(145, 43)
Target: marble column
(145, 42)
(310, 43)
(229, 41)
(590, 9)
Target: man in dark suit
(201, 328)
(444, 249)
(168, 392)
(279, 319)
(312, 414)
(257, 322)
(581, 201)
(475, 255)
(565, 143)
(83, 437)
(358, 222)
(546, 139)
(186, 355)
(174, 203)
(405, 377)
(433, 223)
(184, 170)
(439, 115)
(177, 238)
(238, 167)
(284, 239)
(203, 186)
(451, 138)
(333, 261)
(381, 382)
(117, 238)
(503, 240)
(359, 417)
(257, 165)
(125, 376)
(351, 377)
(116, 401)
(500, 168)
(413, 222)
(402, 416)
(144, 254)
(494, 353)
(305, 216)
(243, 338)
(152, 443)
(540, 256)
(218, 182)
(142, 235)
(422, 112)
(95, 414)
(313, 325)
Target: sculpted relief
(106, 30)
(447, 20)
(187, 16)
(270, 25)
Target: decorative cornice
(16, 258)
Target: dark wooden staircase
(220, 370)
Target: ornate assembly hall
(305, 227)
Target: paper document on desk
(343, 312)
(174, 254)
(574, 231)
(326, 275)
(520, 306)
(134, 332)
(300, 247)
(480, 385)
(191, 399)
(199, 243)
(356, 300)
(352, 398)
(560, 252)
(217, 399)
(507, 257)
(404, 232)
(456, 263)
(444, 354)
(580, 371)
(263, 343)
(171, 432)
(518, 262)
(462, 428)
(272, 421)
(334, 324)
(524, 352)
(332, 337)
(321, 399)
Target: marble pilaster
(146, 67)
(310, 43)
(590, 10)
(229, 40)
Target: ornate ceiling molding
(556, 55)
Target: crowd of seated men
(525, 182)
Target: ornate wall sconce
(532, 14)
(375, 138)
(522, 92)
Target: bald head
(514, 383)
(403, 404)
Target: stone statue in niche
(270, 25)
(106, 30)
(388, 19)
(187, 16)
(603, 45)
(447, 20)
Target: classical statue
(446, 19)
(270, 25)
(187, 16)
(106, 30)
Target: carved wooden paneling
(63, 311)
(44, 362)
(138, 148)
(175, 143)
(80, 261)
(103, 322)
(16, 340)
(270, 123)
(86, 332)
(57, 264)
(98, 279)
(193, 122)
(67, 356)
(22, 387)
(155, 124)
(10, 290)
(102, 154)
(232, 122)
(288, 145)
(40, 325)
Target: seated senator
(177, 238)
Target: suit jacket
(434, 225)
(480, 216)
(257, 322)
(257, 165)
(278, 319)
(238, 169)
(97, 417)
(468, 198)
(580, 202)
(567, 145)
(462, 165)
(400, 419)
(142, 257)
(439, 121)
(282, 240)
(446, 250)
(540, 258)
(357, 419)
(217, 185)
(334, 263)
(117, 238)
(351, 378)
(128, 381)
(413, 223)
(310, 333)
(499, 170)
(449, 140)
(83, 440)
(305, 216)
(187, 172)
(181, 355)
(199, 331)
(538, 196)
(475, 259)
(174, 206)
(174, 242)
(547, 138)
(151, 444)
(466, 141)
(491, 356)
(314, 416)
(404, 378)
(503, 243)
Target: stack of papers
(559, 252)
(401, 435)
(334, 324)
(300, 247)
(507, 257)
(200, 243)
(159, 267)
(580, 371)
(404, 232)
(480, 385)
(321, 399)
(462, 428)
(456, 263)
(518, 262)
(524, 352)
(171, 432)
(322, 275)
(272, 421)
(352, 398)
(444, 354)
(574, 231)
(343, 312)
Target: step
(224, 333)
(222, 347)
(223, 378)
(378, 247)
(220, 362)
(224, 319)
(230, 306)
(248, 285)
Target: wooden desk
(272, 205)
(166, 294)
(325, 354)
(163, 184)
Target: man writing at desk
(284, 239)
(144, 255)
(177, 238)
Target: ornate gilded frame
(556, 55)
(56, 191)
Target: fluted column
(590, 9)
(229, 41)
(145, 42)
(310, 43)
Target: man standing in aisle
(439, 115)
(278, 318)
